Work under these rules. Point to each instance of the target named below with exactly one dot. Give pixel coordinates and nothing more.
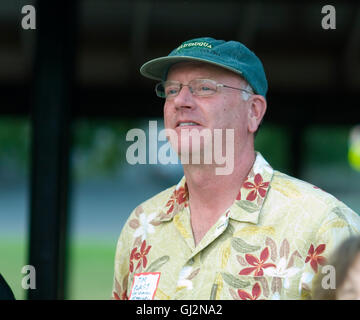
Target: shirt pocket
(247, 287)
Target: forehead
(183, 70)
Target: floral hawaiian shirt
(269, 244)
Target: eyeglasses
(198, 87)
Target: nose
(184, 99)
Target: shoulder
(322, 205)
(142, 216)
(149, 208)
(295, 188)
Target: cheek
(238, 116)
(227, 114)
(167, 115)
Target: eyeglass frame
(218, 85)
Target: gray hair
(246, 95)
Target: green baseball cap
(231, 55)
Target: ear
(257, 108)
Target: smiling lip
(186, 123)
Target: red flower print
(258, 265)
(255, 293)
(141, 256)
(170, 203)
(132, 256)
(238, 197)
(314, 256)
(179, 196)
(119, 293)
(123, 296)
(258, 187)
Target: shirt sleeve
(339, 224)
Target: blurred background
(70, 91)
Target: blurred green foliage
(99, 145)
(326, 144)
(273, 143)
(15, 142)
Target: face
(224, 110)
(350, 289)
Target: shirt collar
(248, 203)
(178, 200)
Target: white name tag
(144, 286)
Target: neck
(212, 193)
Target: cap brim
(156, 69)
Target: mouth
(186, 124)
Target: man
(252, 233)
